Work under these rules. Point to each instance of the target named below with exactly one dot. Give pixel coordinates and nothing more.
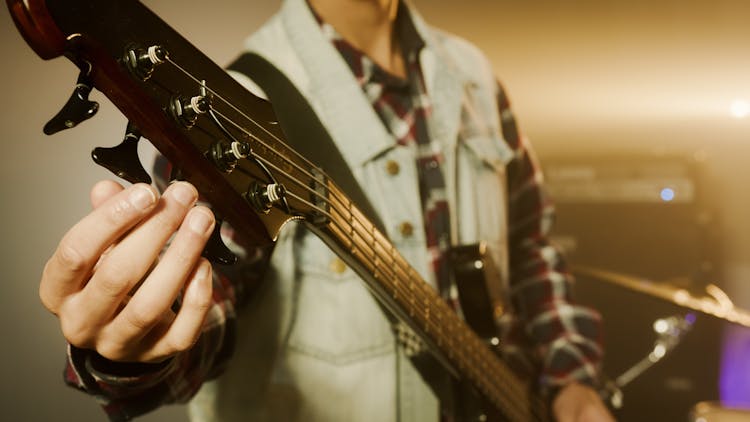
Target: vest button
(392, 167)
(406, 229)
(337, 266)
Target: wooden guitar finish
(228, 143)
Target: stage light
(739, 109)
(667, 194)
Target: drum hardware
(669, 332)
(716, 303)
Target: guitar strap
(303, 129)
(306, 134)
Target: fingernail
(184, 194)
(142, 197)
(199, 221)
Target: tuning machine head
(141, 62)
(122, 159)
(78, 107)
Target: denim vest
(314, 345)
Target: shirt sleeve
(564, 337)
(127, 390)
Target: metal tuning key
(264, 196)
(78, 108)
(186, 110)
(122, 159)
(226, 156)
(141, 62)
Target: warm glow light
(739, 109)
(661, 326)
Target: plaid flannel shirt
(563, 338)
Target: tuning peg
(123, 160)
(215, 250)
(77, 109)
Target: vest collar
(336, 96)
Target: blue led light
(667, 194)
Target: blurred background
(639, 112)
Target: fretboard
(407, 295)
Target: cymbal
(716, 303)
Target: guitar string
(438, 328)
(371, 247)
(249, 119)
(437, 306)
(254, 122)
(470, 351)
(337, 221)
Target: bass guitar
(229, 144)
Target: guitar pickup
(479, 284)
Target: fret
(374, 247)
(435, 319)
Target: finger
(127, 262)
(187, 326)
(104, 190)
(172, 333)
(157, 293)
(80, 248)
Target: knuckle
(184, 254)
(142, 319)
(169, 220)
(76, 332)
(119, 212)
(201, 304)
(70, 257)
(110, 286)
(114, 351)
(178, 344)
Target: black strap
(306, 135)
(303, 129)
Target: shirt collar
(364, 68)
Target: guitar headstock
(217, 135)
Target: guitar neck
(407, 295)
(232, 149)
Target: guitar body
(230, 145)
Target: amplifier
(645, 217)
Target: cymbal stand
(669, 332)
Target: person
(427, 130)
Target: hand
(104, 287)
(579, 403)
